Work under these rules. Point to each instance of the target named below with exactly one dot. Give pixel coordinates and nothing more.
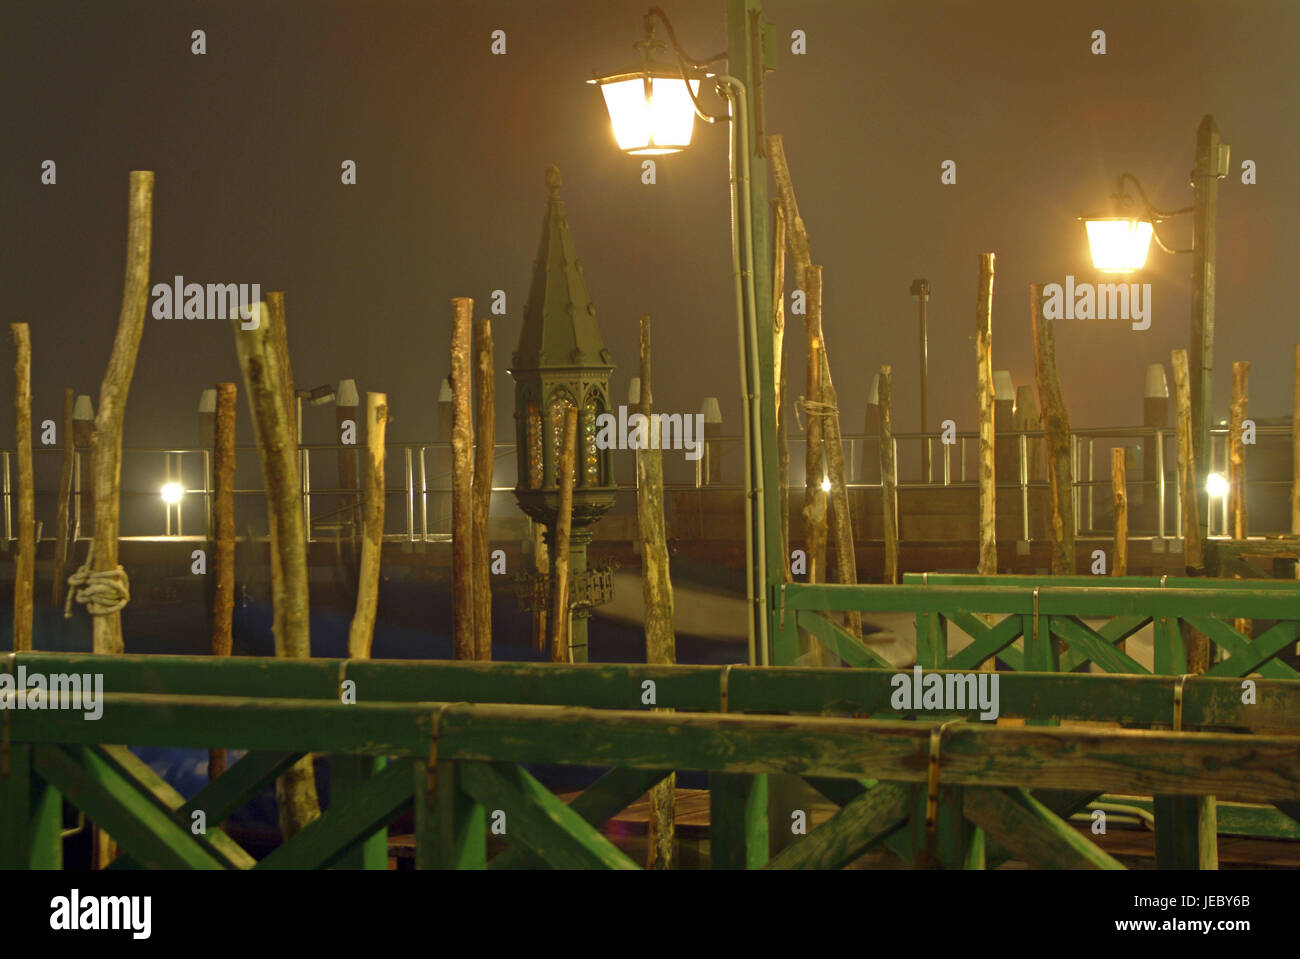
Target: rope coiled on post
(102, 592)
(814, 408)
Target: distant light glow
(1216, 485)
(826, 485)
(1119, 244)
(172, 492)
(655, 124)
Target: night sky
(451, 144)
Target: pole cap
(83, 409)
(347, 393)
(208, 400)
(711, 410)
(1157, 385)
(1003, 389)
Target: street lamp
(1119, 244)
(652, 105)
(652, 110)
(172, 493)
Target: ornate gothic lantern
(561, 361)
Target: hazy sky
(451, 144)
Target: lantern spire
(559, 328)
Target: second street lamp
(1119, 244)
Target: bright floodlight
(1119, 244)
(1216, 485)
(172, 492)
(651, 111)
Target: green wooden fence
(448, 740)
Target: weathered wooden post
(1192, 556)
(988, 546)
(25, 558)
(920, 291)
(484, 461)
(778, 346)
(442, 498)
(361, 637)
(347, 410)
(870, 458)
(888, 476)
(1295, 448)
(1155, 415)
(273, 427)
(711, 471)
(657, 591)
(223, 524)
(559, 640)
(1006, 446)
(207, 418)
(104, 589)
(61, 524)
(1237, 449)
(1056, 426)
(814, 504)
(1119, 491)
(83, 428)
(462, 443)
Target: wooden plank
(839, 640)
(602, 800)
(1273, 641)
(31, 815)
(538, 821)
(844, 837)
(138, 824)
(988, 641)
(152, 786)
(349, 775)
(1244, 653)
(1033, 832)
(1250, 600)
(236, 787)
(738, 824)
(1080, 637)
(350, 820)
(1186, 832)
(450, 826)
(1061, 802)
(931, 639)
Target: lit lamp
(652, 105)
(652, 110)
(1119, 244)
(172, 493)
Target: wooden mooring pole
(888, 474)
(361, 636)
(1119, 492)
(223, 552)
(484, 460)
(657, 592)
(1237, 524)
(62, 509)
(559, 605)
(1056, 427)
(25, 558)
(273, 425)
(462, 518)
(988, 545)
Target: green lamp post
(652, 109)
(561, 361)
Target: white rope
(814, 408)
(102, 592)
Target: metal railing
(425, 483)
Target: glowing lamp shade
(651, 115)
(172, 492)
(1119, 244)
